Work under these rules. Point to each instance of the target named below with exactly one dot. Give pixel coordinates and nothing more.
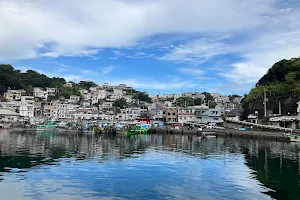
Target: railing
(262, 126)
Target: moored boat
(143, 129)
(294, 138)
(48, 125)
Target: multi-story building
(51, 91)
(66, 111)
(187, 117)
(204, 114)
(170, 115)
(40, 93)
(118, 92)
(14, 95)
(11, 105)
(130, 113)
(8, 115)
(74, 98)
(27, 100)
(27, 110)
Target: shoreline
(265, 135)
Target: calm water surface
(69, 166)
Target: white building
(40, 93)
(129, 113)
(14, 95)
(27, 110)
(187, 117)
(66, 111)
(68, 84)
(11, 105)
(86, 113)
(27, 100)
(74, 98)
(51, 91)
(118, 92)
(8, 115)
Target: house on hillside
(236, 114)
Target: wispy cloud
(192, 71)
(151, 84)
(199, 51)
(108, 69)
(140, 55)
(118, 53)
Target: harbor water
(51, 165)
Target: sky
(158, 46)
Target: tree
(86, 84)
(142, 96)
(208, 97)
(121, 103)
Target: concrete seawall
(226, 133)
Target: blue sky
(159, 46)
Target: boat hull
(136, 132)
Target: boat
(143, 129)
(48, 125)
(294, 138)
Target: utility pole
(279, 108)
(265, 103)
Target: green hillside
(15, 79)
(282, 79)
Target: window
(168, 113)
(173, 113)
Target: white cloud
(199, 51)
(108, 69)
(83, 27)
(259, 54)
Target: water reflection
(55, 165)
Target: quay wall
(226, 133)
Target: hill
(15, 79)
(282, 79)
(281, 83)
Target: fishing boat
(48, 125)
(143, 129)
